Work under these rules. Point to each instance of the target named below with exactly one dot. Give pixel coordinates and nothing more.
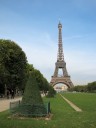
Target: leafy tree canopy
(90, 87)
(51, 92)
(41, 80)
(12, 64)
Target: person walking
(8, 93)
(12, 94)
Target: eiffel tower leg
(63, 71)
(56, 72)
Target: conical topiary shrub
(32, 103)
(32, 93)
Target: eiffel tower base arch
(64, 80)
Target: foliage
(79, 88)
(90, 87)
(14, 69)
(12, 65)
(32, 103)
(51, 92)
(41, 80)
(32, 93)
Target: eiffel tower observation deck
(61, 64)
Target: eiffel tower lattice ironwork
(61, 64)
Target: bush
(51, 92)
(32, 103)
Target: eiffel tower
(61, 64)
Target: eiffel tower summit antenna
(61, 64)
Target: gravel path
(71, 104)
(5, 103)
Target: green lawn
(63, 115)
(86, 101)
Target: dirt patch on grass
(16, 116)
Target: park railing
(14, 104)
(34, 110)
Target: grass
(63, 115)
(86, 101)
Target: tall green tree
(12, 64)
(91, 87)
(41, 80)
(51, 92)
(78, 88)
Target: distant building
(60, 88)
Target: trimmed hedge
(32, 104)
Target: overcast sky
(33, 25)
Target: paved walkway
(5, 103)
(71, 104)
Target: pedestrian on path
(8, 93)
(12, 94)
